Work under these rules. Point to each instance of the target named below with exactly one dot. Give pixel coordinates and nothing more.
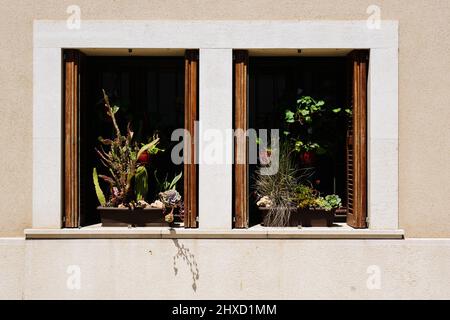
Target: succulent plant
(305, 196)
(308, 197)
(170, 198)
(333, 200)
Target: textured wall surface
(423, 89)
(210, 269)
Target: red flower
(144, 158)
(307, 157)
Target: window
(264, 86)
(156, 95)
(215, 101)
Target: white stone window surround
(216, 40)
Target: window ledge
(339, 231)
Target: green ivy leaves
(289, 116)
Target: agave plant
(121, 159)
(164, 185)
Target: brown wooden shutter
(357, 142)
(191, 115)
(73, 63)
(240, 142)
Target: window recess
(156, 93)
(265, 85)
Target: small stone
(121, 206)
(157, 204)
(143, 204)
(264, 202)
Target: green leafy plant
(346, 111)
(121, 159)
(300, 124)
(307, 146)
(305, 124)
(306, 109)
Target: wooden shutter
(73, 63)
(191, 115)
(240, 142)
(357, 142)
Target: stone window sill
(338, 231)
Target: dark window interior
(275, 83)
(150, 94)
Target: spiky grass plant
(279, 188)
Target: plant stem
(111, 114)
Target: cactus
(141, 183)
(98, 190)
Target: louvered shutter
(191, 115)
(357, 142)
(240, 144)
(74, 62)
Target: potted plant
(315, 210)
(301, 130)
(126, 160)
(309, 126)
(170, 197)
(276, 192)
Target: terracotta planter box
(316, 217)
(121, 217)
(294, 219)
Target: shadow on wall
(189, 258)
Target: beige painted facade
(225, 269)
(412, 268)
(424, 129)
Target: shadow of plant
(189, 258)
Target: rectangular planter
(124, 217)
(316, 217)
(294, 219)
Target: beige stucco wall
(424, 92)
(225, 269)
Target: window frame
(50, 37)
(75, 85)
(356, 144)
